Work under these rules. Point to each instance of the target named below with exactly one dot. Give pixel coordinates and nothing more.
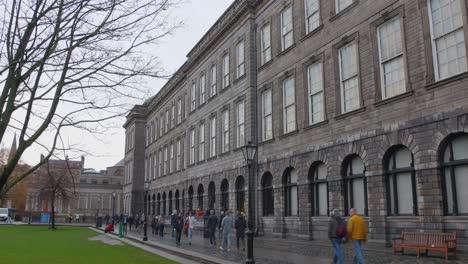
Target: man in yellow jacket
(356, 232)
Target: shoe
(221, 248)
(228, 250)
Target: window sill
(394, 98)
(447, 81)
(271, 140)
(265, 65)
(286, 50)
(212, 97)
(201, 105)
(313, 32)
(240, 78)
(225, 153)
(289, 134)
(191, 165)
(201, 162)
(211, 158)
(224, 89)
(459, 218)
(340, 14)
(319, 124)
(395, 218)
(354, 112)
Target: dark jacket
(178, 223)
(221, 220)
(240, 226)
(173, 219)
(212, 222)
(333, 226)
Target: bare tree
(77, 64)
(59, 186)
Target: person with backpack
(240, 225)
(336, 234)
(178, 225)
(357, 233)
(212, 224)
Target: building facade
(90, 192)
(352, 104)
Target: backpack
(340, 229)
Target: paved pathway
(280, 251)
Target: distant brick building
(91, 191)
(352, 103)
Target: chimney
(82, 161)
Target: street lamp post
(145, 224)
(249, 151)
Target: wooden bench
(445, 242)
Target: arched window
(211, 195)
(240, 194)
(224, 195)
(190, 198)
(290, 192)
(319, 189)
(455, 175)
(267, 195)
(401, 186)
(159, 204)
(177, 200)
(164, 203)
(154, 204)
(170, 202)
(355, 185)
(200, 193)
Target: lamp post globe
(249, 151)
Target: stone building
(91, 192)
(352, 103)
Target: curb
(193, 256)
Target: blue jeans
(338, 257)
(212, 235)
(358, 259)
(189, 235)
(226, 240)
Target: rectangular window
(166, 165)
(193, 97)
(265, 44)
(192, 147)
(161, 126)
(201, 140)
(315, 88)
(240, 58)
(213, 137)
(240, 133)
(148, 134)
(155, 129)
(171, 158)
(286, 28)
(225, 70)
(173, 116)
(167, 121)
(289, 106)
(178, 158)
(312, 15)
(179, 111)
(267, 116)
(213, 80)
(340, 5)
(152, 167)
(349, 83)
(225, 134)
(155, 164)
(160, 163)
(202, 89)
(448, 38)
(392, 73)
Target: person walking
(226, 228)
(178, 225)
(137, 222)
(357, 233)
(212, 224)
(240, 226)
(130, 222)
(173, 219)
(191, 224)
(161, 226)
(153, 226)
(336, 233)
(125, 223)
(219, 224)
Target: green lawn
(67, 245)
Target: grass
(67, 245)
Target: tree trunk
(52, 207)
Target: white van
(4, 214)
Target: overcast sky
(107, 149)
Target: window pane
(294, 200)
(358, 195)
(390, 42)
(312, 15)
(342, 4)
(392, 193)
(351, 94)
(393, 78)
(286, 28)
(358, 166)
(293, 175)
(405, 193)
(446, 16)
(403, 158)
(321, 172)
(348, 61)
(451, 54)
(461, 178)
(322, 194)
(265, 44)
(460, 147)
